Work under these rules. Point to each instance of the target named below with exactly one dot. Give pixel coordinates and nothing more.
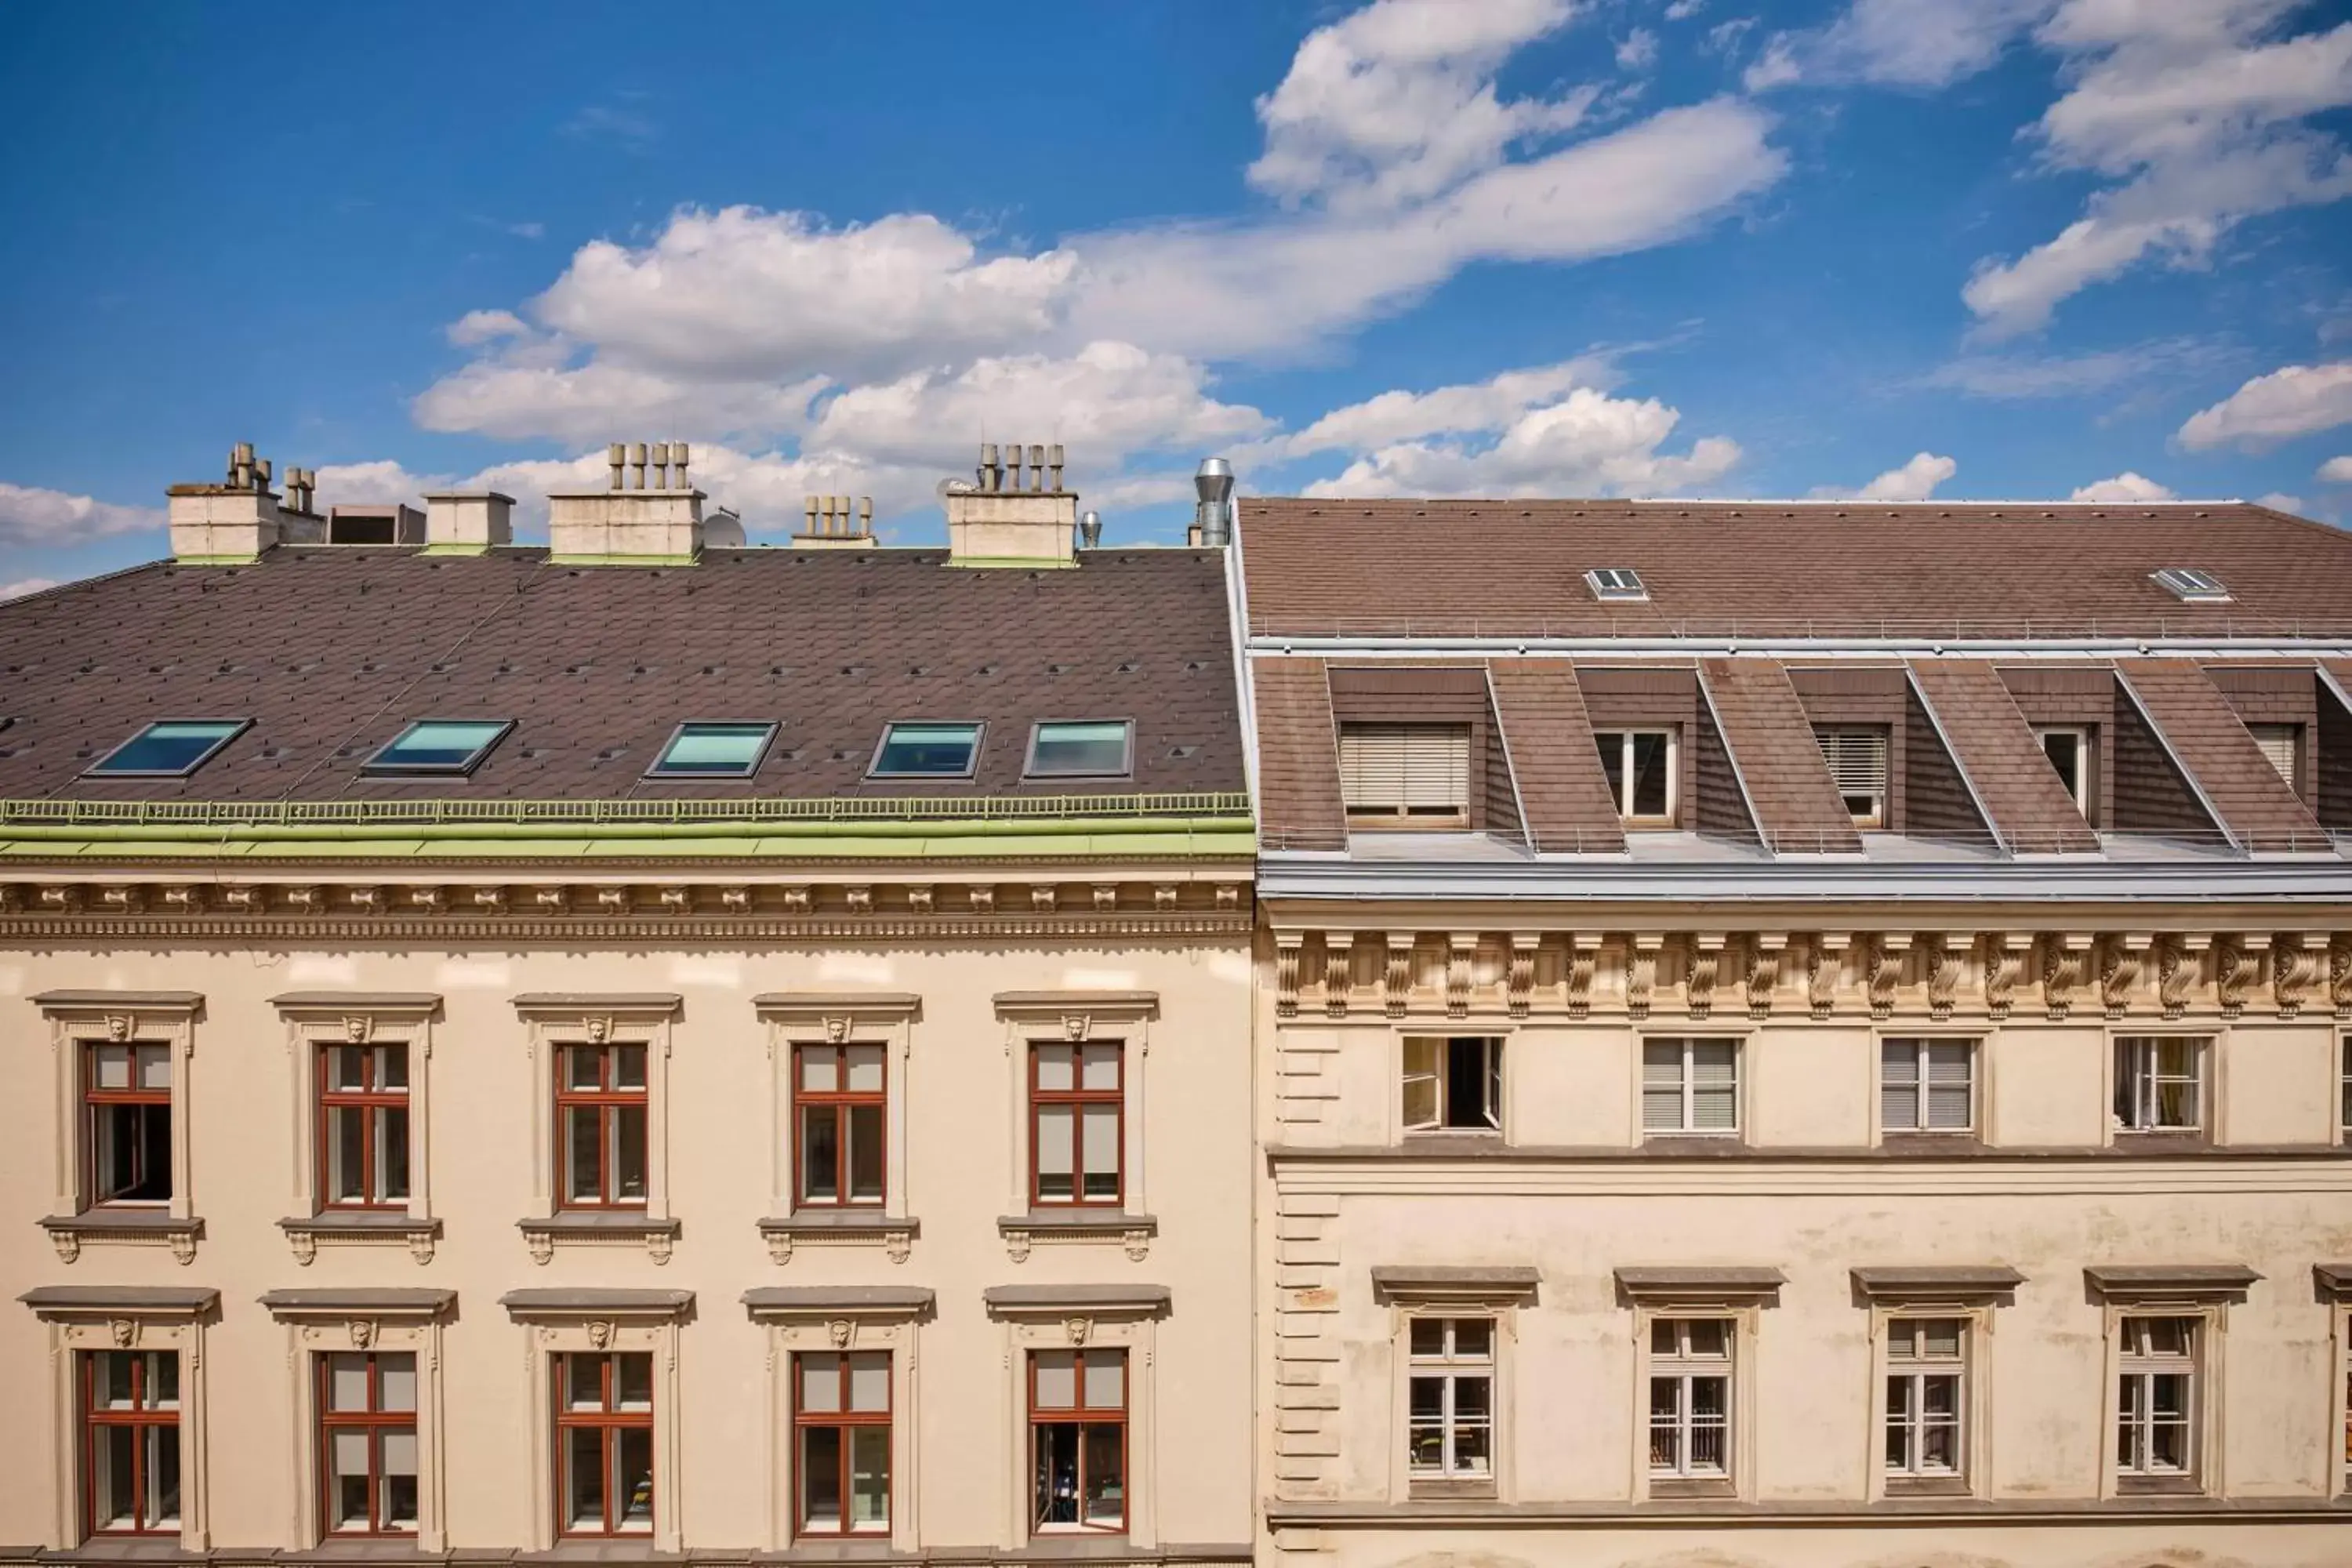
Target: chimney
(836, 522)
(232, 522)
(1003, 520)
(468, 522)
(1212, 519)
(642, 520)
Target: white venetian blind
(2282, 744)
(1405, 770)
(1857, 759)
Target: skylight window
(2193, 586)
(1088, 748)
(439, 746)
(1617, 582)
(927, 750)
(712, 751)
(169, 749)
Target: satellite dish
(722, 530)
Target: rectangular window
(2159, 1084)
(127, 1111)
(841, 1442)
(172, 749)
(605, 1443)
(601, 1113)
(1617, 582)
(927, 750)
(1926, 1384)
(438, 746)
(1450, 1431)
(2191, 584)
(367, 1440)
(712, 751)
(1639, 767)
(2282, 746)
(1453, 1085)
(1857, 763)
(2069, 750)
(131, 1442)
(1927, 1086)
(2344, 1091)
(1078, 1439)
(1077, 1122)
(2155, 1398)
(839, 1098)
(363, 1126)
(1093, 748)
(1416, 774)
(1690, 1086)
(1690, 1398)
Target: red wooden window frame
(842, 1101)
(605, 1102)
(376, 1422)
(1077, 1098)
(138, 1414)
(843, 1418)
(94, 1098)
(610, 1423)
(1084, 1416)
(372, 1103)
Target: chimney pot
(988, 465)
(1036, 468)
(1054, 462)
(618, 457)
(678, 465)
(637, 465)
(865, 514)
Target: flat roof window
(168, 749)
(1620, 583)
(2191, 586)
(439, 746)
(1081, 748)
(926, 751)
(712, 751)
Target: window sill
(361, 1228)
(603, 1228)
(1669, 1489)
(1078, 1224)
(2159, 1485)
(1433, 1489)
(374, 1549)
(143, 1227)
(843, 1227)
(1900, 1486)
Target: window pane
(821, 1153)
(1649, 774)
(820, 1476)
(392, 1154)
(583, 1168)
(1101, 1068)
(937, 749)
(347, 1382)
(347, 1154)
(1080, 748)
(396, 1382)
(1058, 1380)
(1427, 1398)
(347, 1068)
(584, 1382)
(869, 1476)
(820, 1384)
(628, 1124)
(628, 1066)
(175, 746)
(110, 1067)
(1105, 1502)
(1106, 1381)
(1939, 1337)
(438, 746)
(1056, 1068)
(1708, 1337)
(820, 1069)
(866, 1153)
(392, 1067)
(633, 1381)
(864, 1069)
(1714, 1110)
(154, 1065)
(113, 1502)
(163, 1458)
(1662, 1108)
(583, 1066)
(869, 1382)
(347, 1480)
(714, 749)
(397, 1484)
(1056, 1478)
(1055, 1149)
(584, 1478)
(1898, 1107)
(632, 1478)
(1428, 1336)
(1473, 1337)
(1100, 1126)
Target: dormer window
(1617, 584)
(712, 751)
(168, 749)
(437, 747)
(1405, 775)
(2191, 586)
(1856, 755)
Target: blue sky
(1910, 249)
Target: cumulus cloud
(1906, 43)
(25, 586)
(2337, 471)
(1485, 406)
(2294, 400)
(1637, 50)
(1914, 481)
(2279, 500)
(478, 327)
(2123, 488)
(29, 515)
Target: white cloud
(1776, 67)
(2125, 488)
(1914, 481)
(1683, 10)
(2010, 377)
(1638, 51)
(2294, 400)
(516, 399)
(25, 586)
(29, 515)
(1487, 406)
(1909, 43)
(2337, 471)
(478, 327)
(2279, 500)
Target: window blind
(1857, 759)
(2282, 744)
(1408, 768)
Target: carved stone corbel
(2295, 967)
(736, 900)
(420, 1246)
(1641, 952)
(2119, 971)
(2004, 963)
(1338, 971)
(1947, 960)
(1105, 897)
(120, 899)
(187, 898)
(184, 1246)
(2179, 960)
(1461, 947)
(67, 1243)
(424, 898)
(658, 1244)
(1290, 946)
(2339, 973)
(1042, 896)
(554, 900)
(1397, 977)
(2236, 961)
(1581, 959)
(542, 1245)
(305, 1243)
(1765, 951)
(859, 897)
(1824, 969)
(982, 897)
(2065, 958)
(1705, 954)
(780, 1246)
(898, 1244)
(1135, 1243)
(1163, 896)
(1519, 984)
(1887, 954)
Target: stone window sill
(600, 1229)
(125, 1227)
(845, 1227)
(1078, 1225)
(361, 1228)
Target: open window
(2068, 747)
(1454, 1084)
(1641, 767)
(1856, 755)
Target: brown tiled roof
(2013, 780)
(1561, 787)
(330, 652)
(1509, 567)
(1780, 767)
(1298, 801)
(2202, 732)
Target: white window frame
(556, 1020)
(2343, 1087)
(2339, 1449)
(1621, 785)
(1451, 1366)
(2084, 790)
(1743, 1307)
(2209, 1056)
(1900, 1358)
(1739, 1081)
(1685, 1367)
(317, 1324)
(79, 1021)
(1086, 1320)
(1499, 1302)
(811, 1323)
(1078, 1017)
(1881, 813)
(622, 1328)
(1617, 585)
(1976, 1305)
(1977, 1100)
(76, 1327)
(794, 1019)
(2129, 1362)
(1494, 1077)
(317, 1022)
(2191, 584)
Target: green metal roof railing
(1043, 810)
